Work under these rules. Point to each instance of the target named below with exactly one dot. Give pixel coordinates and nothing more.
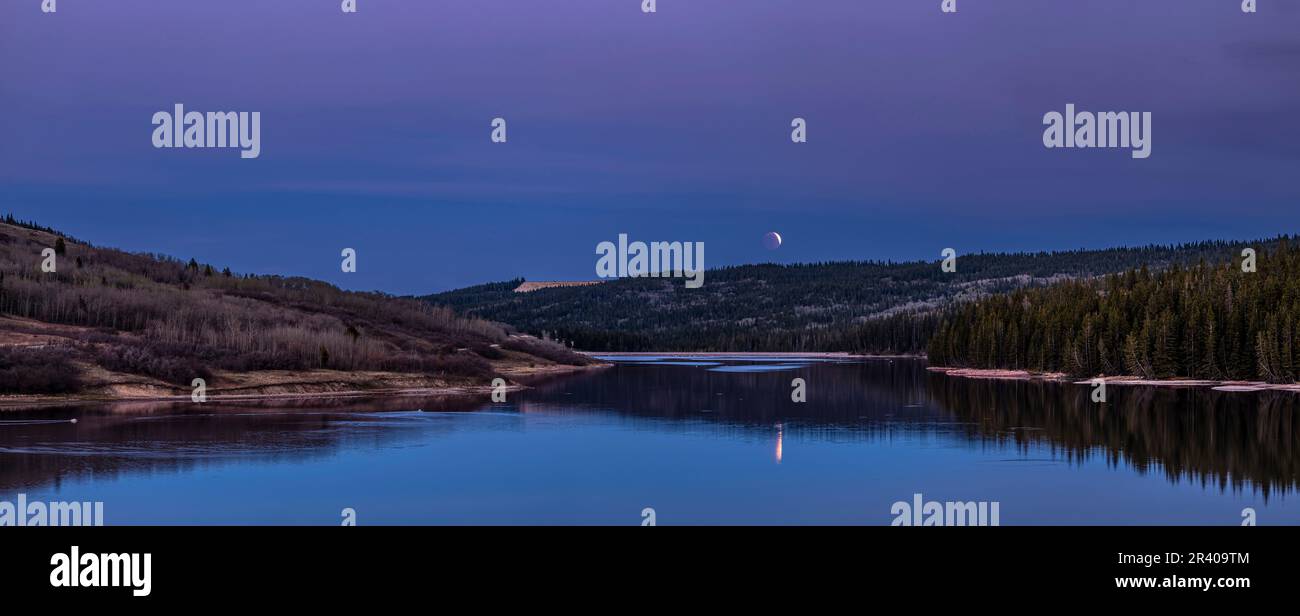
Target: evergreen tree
(1207, 320)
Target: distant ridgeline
(874, 307)
(1210, 320)
(27, 224)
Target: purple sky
(924, 129)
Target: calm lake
(713, 440)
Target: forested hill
(80, 318)
(879, 307)
(1211, 321)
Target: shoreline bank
(295, 389)
(1060, 377)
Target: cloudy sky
(924, 129)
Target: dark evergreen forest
(1210, 320)
(869, 307)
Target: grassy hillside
(878, 307)
(105, 313)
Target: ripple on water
(760, 368)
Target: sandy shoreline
(268, 392)
(1024, 375)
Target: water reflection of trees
(41, 447)
(1237, 440)
(1228, 439)
(844, 400)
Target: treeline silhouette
(158, 316)
(1210, 320)
(29, 224)
(857, 306)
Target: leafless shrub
(173, 364)
(547, 350)
(38, 371)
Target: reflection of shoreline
(1025, 375)
(111, 442)
(111, 438)
(1233, 440)
(740, 354)
(857, 399)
